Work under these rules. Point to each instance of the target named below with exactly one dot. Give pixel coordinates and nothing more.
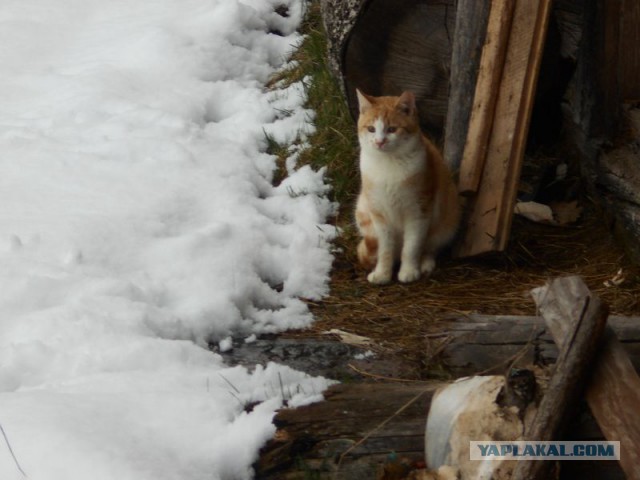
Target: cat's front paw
(428, 264)
(408, 274)
(379, 278)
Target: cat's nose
(380, 142)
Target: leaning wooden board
(578, 333)
(486, 95)
(491, 210)
(613, 392)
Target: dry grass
(405, 319)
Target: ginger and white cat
(408, 208)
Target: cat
(408, 207)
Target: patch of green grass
(334, 143)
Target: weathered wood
(488, 344)
(491, 212)
(470, 32)
(601, 51)
(608, 53)
(317, 435)
(618, 179)
(630, 57)
(614, 391)
(614, 397)
(485, 96)
(583, 336)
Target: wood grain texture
(491, 211)
(489, 343)
(486, 95)
(468, 41)
(578, 347)
(396, 46)
(391, 416)
(630, 57)
(613, 394)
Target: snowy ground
(138, 222)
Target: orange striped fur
(408, 207)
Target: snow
(138, 225)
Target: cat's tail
(368, 246)
(368, 252)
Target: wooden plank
(630, 57)
(606, 68)
(488, 343)
(577, 351)
(614, 391)
(389, 416)
(469, 37)
(486, 95)
(491, 211)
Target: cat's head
(387, 124)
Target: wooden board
(613, 393)
(488, 344)
(630, 56)
(390, 417)
(486, 95)
(579, 340)
(491, 211)
(468, 40)
(614, 398)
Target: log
(397, 46)
(583, 328)
(470, 31)
(384, 47)
(613, 394)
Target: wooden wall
(630, 50)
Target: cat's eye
(371, 128)
(392, 129)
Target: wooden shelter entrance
(567, 69)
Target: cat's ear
(364, 101)
(407, 103)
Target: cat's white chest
(389, 169)
(387, 177)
